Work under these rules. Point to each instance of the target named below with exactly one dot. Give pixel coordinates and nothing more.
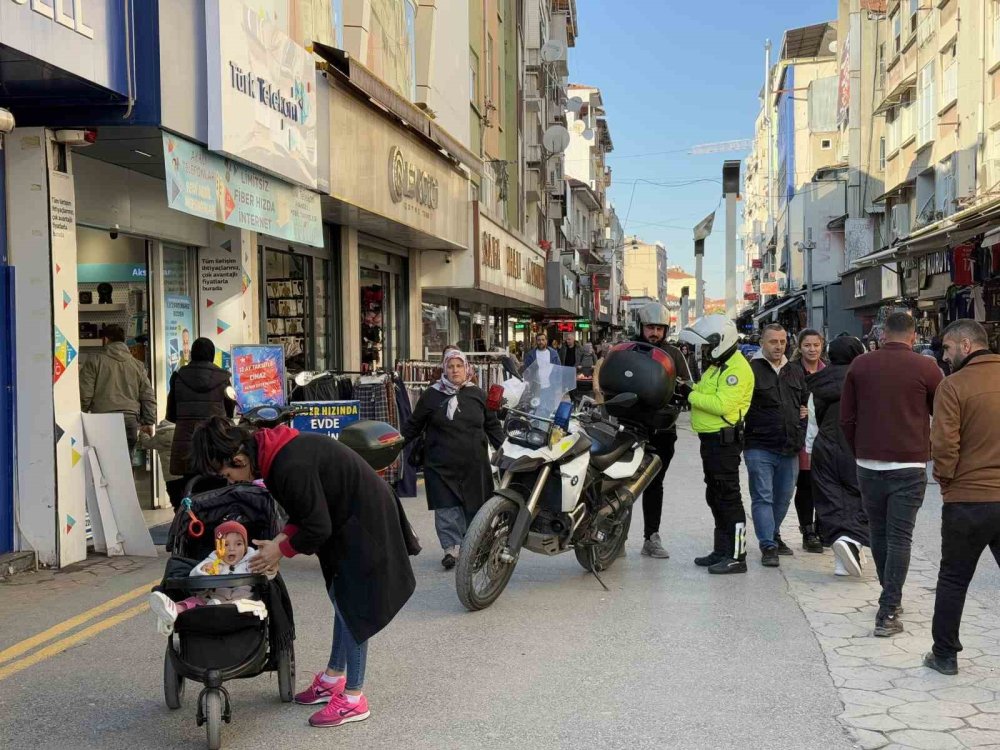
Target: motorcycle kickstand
(593, 568)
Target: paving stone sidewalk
(890, 699)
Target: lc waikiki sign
(261, 93)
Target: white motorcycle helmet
(715, 331)
(654, 314)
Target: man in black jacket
(775, 433)
(654, 320)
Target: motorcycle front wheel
(598, 557)
(481, 576)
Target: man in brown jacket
(885, 412)
(965, 440)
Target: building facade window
(474, 78)
(908, 123)
(928, 108)
(897, 32)
(410, 7)
(949, 81)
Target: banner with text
(259, 376)
(213, 187)
(326, 417)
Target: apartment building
(646, 269)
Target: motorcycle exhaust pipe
(627, 494)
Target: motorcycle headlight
(522, 432)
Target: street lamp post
(701, 231)
(806, 248)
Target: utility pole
(807, 248)
(701, 231)
(731, 189)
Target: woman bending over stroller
(340, 510)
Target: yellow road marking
(47, 635)
(61, 645)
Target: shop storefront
(500, 285)
(398, 199)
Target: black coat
(774, 421)
(456, 461)
(346, 515)
(836, 494)
(197, 392)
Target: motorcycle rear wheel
(605, 554)
(481, 576)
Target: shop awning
(875, 259)
(895, 97)
(353, 72)
(893, 192)
(786, 303)
(954, 230)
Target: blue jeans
(772, 482)
(346, 654)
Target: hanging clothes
(407, 486)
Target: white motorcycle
(567, 482)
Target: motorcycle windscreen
(547, 385)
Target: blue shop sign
(96, 273)
(326, 417)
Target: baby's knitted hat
(231, 527)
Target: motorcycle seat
(605, 454)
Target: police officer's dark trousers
(721, 464)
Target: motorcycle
(567, 482)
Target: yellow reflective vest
(722, 397)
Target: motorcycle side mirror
(625, 400)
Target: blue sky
(675, 74)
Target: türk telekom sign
(261, 93)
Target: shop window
(384, 305)
(435, 328)
(297, 308)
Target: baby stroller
(214, 644)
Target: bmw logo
(628, 373)
(574, 481)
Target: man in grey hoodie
(113, 381)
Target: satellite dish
(578, 127)
(553, 50)
(556, 139)
(588, 134)
(574, 105)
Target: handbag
(415, 457)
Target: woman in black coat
(198, 392)
(340, 510)
(453, 416)
(842, 520)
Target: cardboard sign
(259, 376)
(326, 417)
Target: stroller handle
(204, 583)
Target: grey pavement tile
(876, 723)
(869, 698)
(868, 740)
(935, 708)
(925, 740)
(978, 737)
(930, 722)
(985, 721)
(964, 694)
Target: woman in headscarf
(842, 520)
(453, 417)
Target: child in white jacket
(235, 561)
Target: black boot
(810, 539)
(732, 541)
(716, 555)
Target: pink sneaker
(340, 711)
(319, 691)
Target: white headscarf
(446, 386)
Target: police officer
(654, 322)
(719, 401)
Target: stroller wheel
(213, 719)
(173, 683)
(286, 673)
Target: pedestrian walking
(842, 522)
(885, 414)
(719, 402)
(542, 353)
(965, 443)
(654, 320)
(456, 425)
(198, 391)
(340, 510)
(692, 361)
(808, 357)
(569, 352)
(112, 381)
(775, 433)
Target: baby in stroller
(232, 556)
